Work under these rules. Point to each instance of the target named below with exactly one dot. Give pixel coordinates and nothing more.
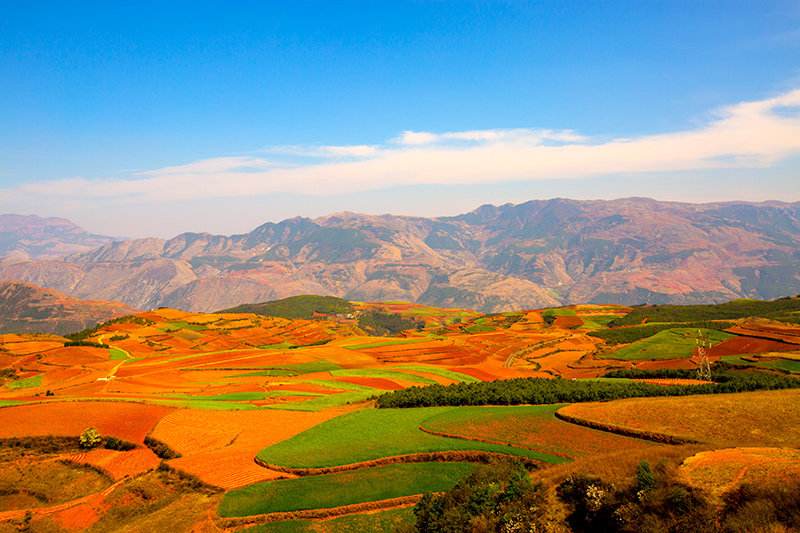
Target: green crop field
(117, 354)
(382, 373)
(342, 488)
(597, 321)
(439, 371)
(379, 522)
(380, 344)
(378, 433)
(776, 364)
(26, 383)
(672, 343)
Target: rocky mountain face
(26, 308)
(539, 253)
(31, 236)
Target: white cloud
(752, 134)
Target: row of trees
(542, 391)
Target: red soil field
(119, 464)
(219, 446)
(128, 421)
(568, 322)
(746, 345)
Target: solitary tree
(90, 438)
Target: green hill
(296, 307)
(785, 309)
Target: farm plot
(533, 427)
(381, 433)
(776, 362)
(219, 447)
(675, 343)
(128, 421)
(719, 471)
(742, 419)
(342, 488)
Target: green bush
(113, 443)
(497, 497)
(161, 449)
(90, 438)
(86, 343)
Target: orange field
(219, 446)
(219, 388)
(128, 421)
(719, 471)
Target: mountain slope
(31, 236)
(535, 254)
(26, 308)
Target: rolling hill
(534, 254)
(26, 308)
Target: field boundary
(488, 441)
(661, 438)
(322, 513)
(466, 456)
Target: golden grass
(741, 419)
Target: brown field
(119, 464)
(749, 345)
(768, 329)
(568, 322)
(742, 419)
(719, 471)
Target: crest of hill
(784, 309)
(27, 308)
(297, 307)
(31, 236)
(541, 253)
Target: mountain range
(26, 308)
(538, 253)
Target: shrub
(90, 438)
(161, 449)
(86, 343)
(113, 443)
(495, 497)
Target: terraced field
(742, 419)
(342, 488)
(675, 343)
(297, 394)
(383, 433)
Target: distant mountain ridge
(26, 308)
(31, 236)
(535, 254)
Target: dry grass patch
(740, 419)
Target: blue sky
(141, 118)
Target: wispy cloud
(754, 134)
